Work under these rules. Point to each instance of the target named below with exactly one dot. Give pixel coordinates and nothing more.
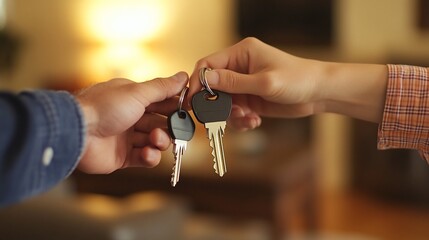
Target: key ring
(182, 98)
(203, 80)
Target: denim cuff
(51, 140)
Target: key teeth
(173, 183)
(215, 166)
(212, 136)
(178, 151)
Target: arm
(112, 125)
(265, 81)
(41, 139)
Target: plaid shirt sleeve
(405, 122)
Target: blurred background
(312, 178)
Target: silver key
(178, 151)
(182, 128)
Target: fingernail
(253, 123)
(180, 76)
(212, 77)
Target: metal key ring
(203, 80)
(182, 98)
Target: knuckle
(251, 41)
(269, 85)
(162, 83)
(230, 80)
(120, 80)
(201, 63)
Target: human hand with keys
(251, 80)
(126, 122)
(267, 82)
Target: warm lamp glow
(127, 60)
(124, 20)
(145, 39)
(124, 30)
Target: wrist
(355, 90)
(89, 117)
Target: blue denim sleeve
(41, 140)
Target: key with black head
(213, 111)
(181, 128)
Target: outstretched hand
(263, 81)
(126, 122)
(267, 82)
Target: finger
(243, 120)
(160, 139)
(159, 89)
(235, 58)
(234, 82)
(244, 123)
(140, 139)
(217, 60)
(229, 81)
(165, 107)
(237, 111)
(151, 156)
(255, 120)
(144, 157)
(150, 121)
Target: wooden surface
(360, 214)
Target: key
(213, 111)
(182, 128)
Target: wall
(58, 42)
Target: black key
(182, 128)
(213, 111)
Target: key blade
(178, 151)
(215, 131)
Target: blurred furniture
(62, 216)
(275, 183)
(423, 14)
(9, 49)
(395, 174)
(305, 22)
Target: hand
(266, 81)
(125, 122)
(260, 78)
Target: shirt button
(47, 156)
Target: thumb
(159, 89)
(232, 82)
